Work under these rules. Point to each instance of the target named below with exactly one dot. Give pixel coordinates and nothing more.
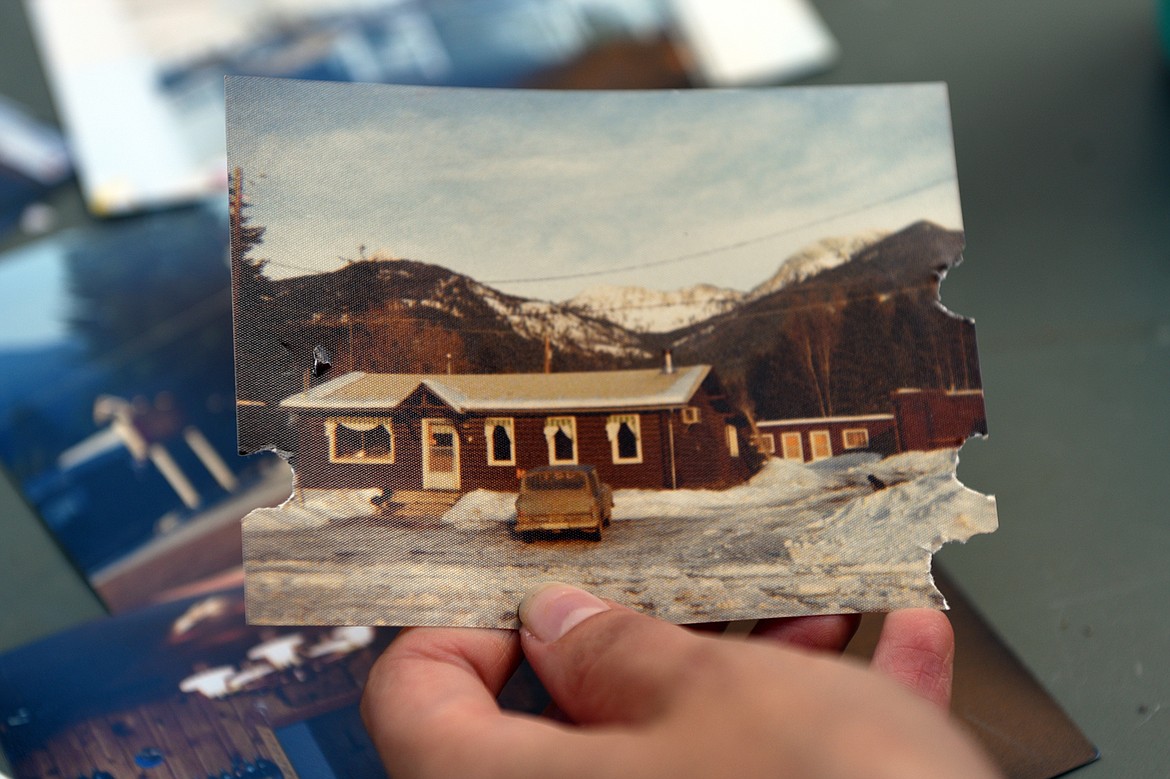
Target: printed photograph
(683, 349)
(117, 413)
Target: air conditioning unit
(690, 415)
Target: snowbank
(482, 508)
(312, 508)
(898, 523)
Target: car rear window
(555, 480)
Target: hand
(651, 699)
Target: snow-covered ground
(798, 538)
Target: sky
(545, 194)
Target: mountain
(402, 316)
(823, 335)
(653, 311)
(815, 258)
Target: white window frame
(732, 440)
(863, 432)
(551, 426)
(820, 435)
(792, 442)
(613, 425)
(367, 424)
(489, 428)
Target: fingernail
(552, 610)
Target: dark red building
(938, 419)
(649, 429)
(923, 420)
(817, 438)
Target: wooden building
(817, 438)
(651, 429)
(938, 418)
(922, 420)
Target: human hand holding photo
(647, 698)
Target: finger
(603, 663)
(430, 681)
(828, 632)
(430, 709)
(917, 649)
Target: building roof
(500, 392)
(826, 420)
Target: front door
(440, 463)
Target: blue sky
(658, 189)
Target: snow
(482, 508)
(922, 490)
(813, 259)
(536, 319)
(654, 311)
(311, 509)
(799, 538)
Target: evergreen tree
(861, 359)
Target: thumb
(601, 662)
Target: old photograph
(684, 349)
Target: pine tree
(862, 358)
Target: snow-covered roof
(591, 390)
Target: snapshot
(684, 349)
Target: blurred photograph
(148, 74)
(116, 404)
(186, 688)
(683, 349)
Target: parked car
(563, 498)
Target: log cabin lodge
(647, 429)
(651, 429)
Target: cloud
(506, 184)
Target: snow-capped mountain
(813, 259)
(562, 324)
(645, 310)
(653, 311)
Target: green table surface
(1062, 130)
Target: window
(561, 434)
(500, 439)
(855, 439)
(625, 438)
(690, 415)
(791, 447)
(357, 440)
(822, 446)
(766, 443)
(732, 440)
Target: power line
(726, 247)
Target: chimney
(448, 363)
(667, 362)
